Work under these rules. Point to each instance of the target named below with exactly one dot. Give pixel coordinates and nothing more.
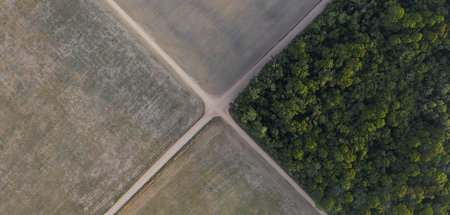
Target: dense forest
(356, 108)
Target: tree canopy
(356, 108)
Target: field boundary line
(173, 159)
(158, 165)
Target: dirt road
(154, 169)
(214, 106)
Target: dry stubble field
(217, 41)
(218, 173)
(84, 108)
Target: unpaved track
(233, 92)
(154, 169)
(214, 106)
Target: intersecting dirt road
(214, 106)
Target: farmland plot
(219, 173)
(217, 41)
(84, 108)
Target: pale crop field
(84, 107)
(218, 173)
(217, 41)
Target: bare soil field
(84, 107)
(217, 41)
(218, 173)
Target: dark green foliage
(356, 108)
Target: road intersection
(214, 106)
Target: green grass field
(217, 41)
(219, 173)
(84, 107)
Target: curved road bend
(214, 106)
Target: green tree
(356, 108)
